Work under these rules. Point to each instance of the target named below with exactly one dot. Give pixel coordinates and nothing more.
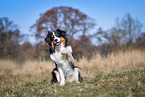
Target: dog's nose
(55, 40)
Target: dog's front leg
(68, 55)
(53, 58)
(71, 58)
(62, 78)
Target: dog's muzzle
(56, 42)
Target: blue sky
(24, 13)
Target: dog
(61, 53)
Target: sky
(24, 13)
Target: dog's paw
(62, 83)
(64, 52)
(72, 60)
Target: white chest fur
(63, 58)
(59, 57)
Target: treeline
(126, 34)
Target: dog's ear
(47, 37)
(61, 31)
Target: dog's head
(56, 38)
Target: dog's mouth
(57, 43)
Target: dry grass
(116, 61)
(128, 59)
(122, 71)
(30, 69)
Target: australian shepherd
(61, 53)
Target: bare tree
(69, 19)
(129, 28)
(125, 32)
(9, 38)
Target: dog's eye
(51, 36)
(55, 34)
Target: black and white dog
(61, 53)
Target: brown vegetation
(120, 74)
(114, 61)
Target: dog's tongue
(57, 43)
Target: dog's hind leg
(55, 76)
(77, 75)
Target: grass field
(120, 75)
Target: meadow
(120, 74)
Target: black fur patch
(54, 79)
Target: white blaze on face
(56, 39)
